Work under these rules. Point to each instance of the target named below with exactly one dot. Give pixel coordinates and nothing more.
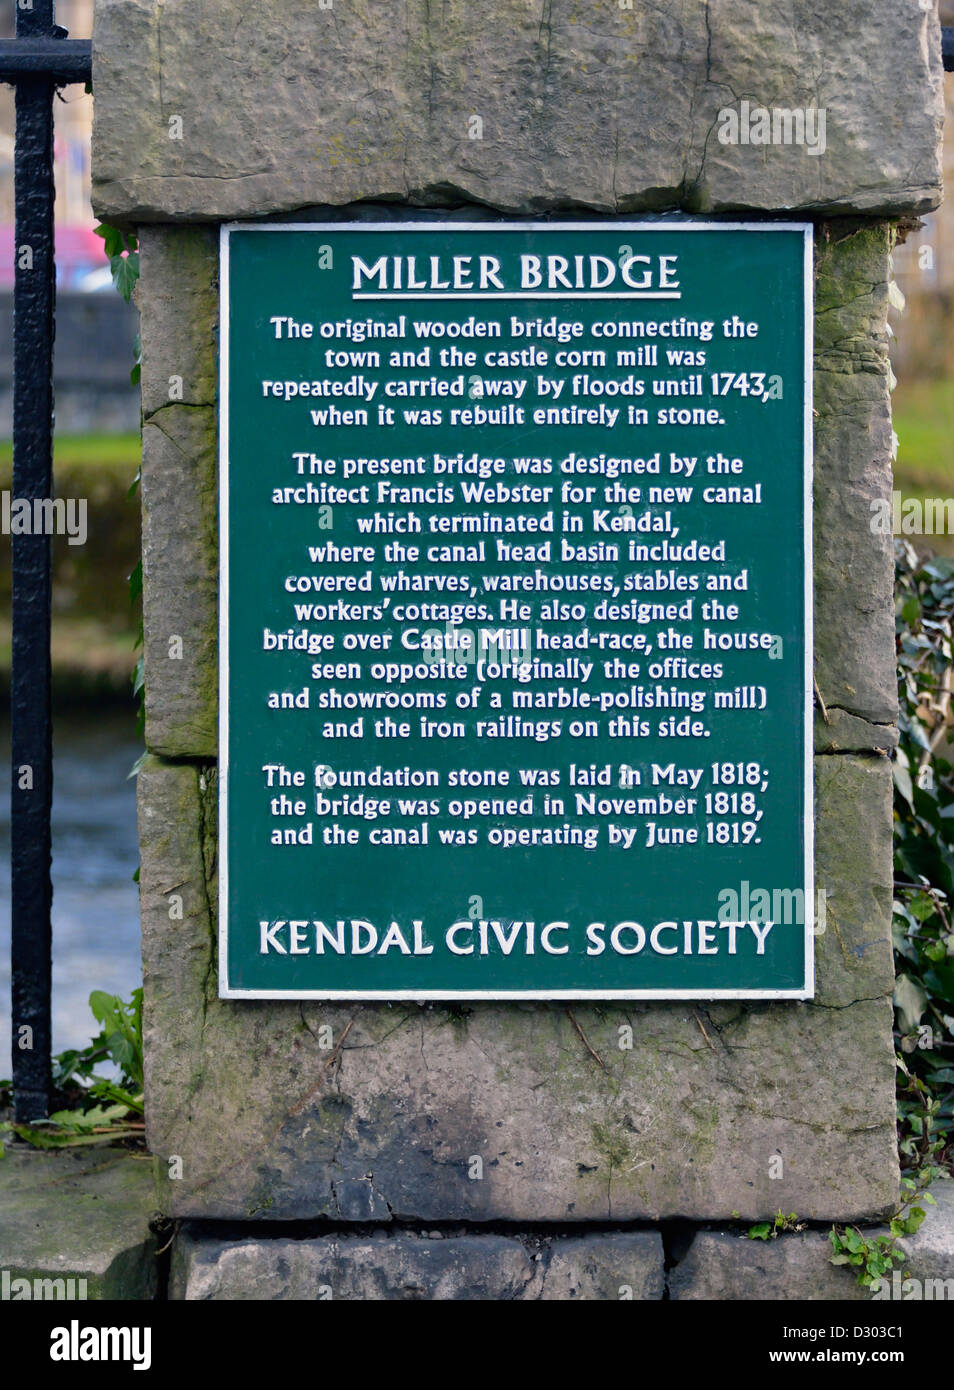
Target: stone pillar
(210, 113)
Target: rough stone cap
(218, 109)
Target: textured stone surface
(714, 1265)
(854, 567)
(721, 1266)
(178, 302)
(496, 1112)
(406, 1267)
(82, 1214)
(177, 297)
(930, 1253)
(622, 1265)
(849, 733)
(178, 950)
(180, 579)
(271, 1125)
(215, 111)
(853, 865)
(730, 1267)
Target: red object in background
(79, 251)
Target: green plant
(121, 1035)
(97, 1109)
(71, 1128)
(770, 1230)
(924, 859)
(875, 1256)
(122, 251)
(923, 889)
(922, 1135)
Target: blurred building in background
(923, 349)
(95, 330)
(78, 251)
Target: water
(95, 854)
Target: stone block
(408, 1267)
(854, 564)
(929, 1254)
(209, 113)
(728, 1266)
(180, 578)
(848, 733)
(499, 1112)
(715, 1265)
(177, 295)
(854, 823)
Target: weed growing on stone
(96, 1109)
(770, 1230)
(875, 1256)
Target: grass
(94, 627)
(77, 450)
(924, 423)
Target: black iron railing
(37, 61)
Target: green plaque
(515, 619)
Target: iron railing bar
(30, 681)
(60, 60)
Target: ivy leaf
(912, 1222)
(911, 611)
(125, 271)
(902, 780)
(135, 576)
(112, 237)
(910, 1001)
